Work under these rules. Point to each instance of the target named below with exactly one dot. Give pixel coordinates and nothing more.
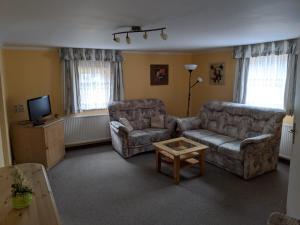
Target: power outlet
(19, 108)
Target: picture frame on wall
(217, 74)
(159, 74)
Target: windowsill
(88, 113)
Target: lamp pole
(189, 96)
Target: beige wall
(32, 73)
(29, 74)
(205, 91)
(5, 156)
(137, 79)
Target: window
(266, 81)
(94, 84)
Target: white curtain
(94, 84)
(267, 80)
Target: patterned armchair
(138, 113)
(242, 139)
(281, 219)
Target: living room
(110, 82)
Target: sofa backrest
(239, 120)
(138, 112)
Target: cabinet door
(55, 147)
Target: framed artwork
(217, 74)
(159, 74)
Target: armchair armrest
(257, 139)
(170, 122)
(119, 128)
(188, 123)
(277, 218)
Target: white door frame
(293, 201)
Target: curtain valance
(265, 49)
(90, 54)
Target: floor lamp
(191, 68)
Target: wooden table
(42, 210)
(180, 152)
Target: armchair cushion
(126, 123)
(147, 136)
(188, 123)
(157, 121)
(158, 134)
(138, 138)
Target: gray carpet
(96, 186)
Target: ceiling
(191, 24)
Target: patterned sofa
(242, 139)
(138, 113)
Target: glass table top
(180, 145)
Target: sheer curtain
(266, 81)
(94, 84)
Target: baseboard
(87, 143)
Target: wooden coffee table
(180, 152)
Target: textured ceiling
(191, 24)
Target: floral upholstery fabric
(281, 219)
(138, 113)
(242, 139)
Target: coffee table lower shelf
(178, 161)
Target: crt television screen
(38, 108)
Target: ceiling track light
(145, 35)
(116, 39)
(163, 35)
(138, 29)
(128, 41)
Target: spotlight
(128, 39)
(145, 35)
(116, 39)
(163, 35)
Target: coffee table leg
(202, 163)
(176, 169)
(158, 160)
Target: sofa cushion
(231, 149)
(207, 137)
(216, 140)
(238, 120)
(197, 134)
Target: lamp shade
(200, 79)
(190, 66)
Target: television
(38, 108)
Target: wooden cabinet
(38, 144)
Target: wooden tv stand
(39, 144)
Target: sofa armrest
(170, 122)
(119, 128)
(188, 123)
(257, 139)
(281, 219)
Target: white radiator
(81, 130)
(286, 143)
